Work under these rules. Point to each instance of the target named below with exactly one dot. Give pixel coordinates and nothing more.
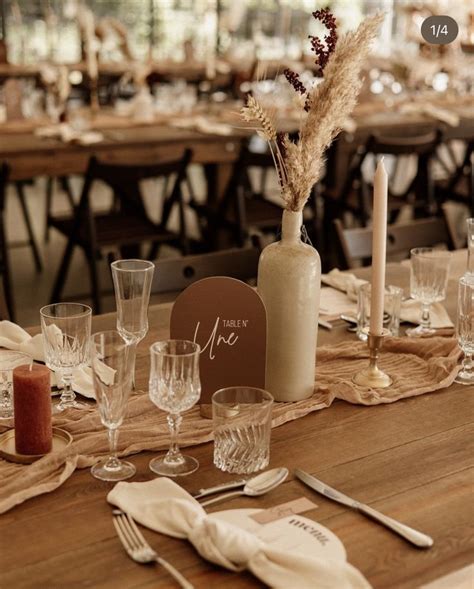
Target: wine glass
(66, 329)
(174, 387)
(470, 245)
(111, 371)
(465, 328)
(132, 284)
(428, 281)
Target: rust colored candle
(32, 406)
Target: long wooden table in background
(412, 460)
(28, 155)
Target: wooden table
(29, 156)
(412, 459)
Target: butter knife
(218, 488)
(417, 538)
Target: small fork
(138, 548)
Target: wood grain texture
(412, 460)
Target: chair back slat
(425, 143)
(115, 174)
(6, 295)
(176, 274)
(356, 244)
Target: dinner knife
(417, 538)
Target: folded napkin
(165, 507)
(203, 125)
(410, 309)
(436, 112)
(67, 134)
(14, 337)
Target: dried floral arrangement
(299, 164)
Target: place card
(283, 510)
(227, 318)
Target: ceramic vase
(289, 280)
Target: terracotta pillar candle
(32, 409)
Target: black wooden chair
(175, 274)
(7, 310)
(126, 227)
(242, 210)
(355, 245)
(355, 196)
(64, 184)
(459, 186)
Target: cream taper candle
(379, 240)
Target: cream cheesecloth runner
(417, 366)
(165, 507)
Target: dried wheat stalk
(328, 104)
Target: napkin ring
(373, 376)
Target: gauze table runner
(417, 366)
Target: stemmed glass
(428, 281)
(111, 371)
(470, 245)
(174, 387)
(132, 284)
(66, 329)
(465, 328)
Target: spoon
(258, 485)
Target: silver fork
(138, 548)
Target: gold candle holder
(372, 376)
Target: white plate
(295, 533)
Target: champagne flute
(465, 328)
(111, 371)
(470, 245)
(132, 284)
(66, 329)
(428, 282)
(174, 387)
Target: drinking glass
(66, 329)
(392, 305)
(112, 376)
(132, 284)
(465, 328)
(242, 426)
(9, 360)
(428, 280)
(470, 245)
(174, 387)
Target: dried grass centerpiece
(327, 104)
(289, 271)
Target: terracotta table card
(228, 319)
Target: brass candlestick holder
(372, 376)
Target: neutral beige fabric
(163, 506)
(417, 366)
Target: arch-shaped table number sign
(227, 318)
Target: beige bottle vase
(289, 281)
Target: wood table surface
(29, 155)
(412, 460)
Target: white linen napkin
(202, 124)
(14, 337)
(436, 112)
(67, 134)
(410, 309)
(165, 507)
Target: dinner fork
(138, 548)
